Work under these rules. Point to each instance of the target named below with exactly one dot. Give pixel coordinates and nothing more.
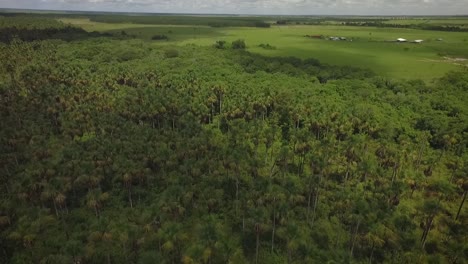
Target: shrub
(220, 44)
(171, 53)
(238, 44)
(267, 46)
(159, 37)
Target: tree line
(450, 28)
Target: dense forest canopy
(439, 23)
(121, 151)
(27, 28)
(160, 19)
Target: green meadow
(456, 21)
(365, 47)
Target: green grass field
(457, 21)
(369, 48)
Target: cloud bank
(294, 7)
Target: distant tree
(262, 24)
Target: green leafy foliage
(112, 153)
(220, 44)
(159, 37)
(238, 44)
(267, 46)
(171, 53)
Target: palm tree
(464, 187)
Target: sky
(261, 7)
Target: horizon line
(223, 14)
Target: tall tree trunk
(428, 227)
(220, 105)
(372, 253)
(65, 228)
(301, 167)
(354, 237)
(5, 180)
(243, 223)
(316, 199)
(394, 174)
(96, 210)
(420, 152)
(124, 248)
(461, 204)
(337, 239)
(309, 200)
(55, 207)
(237, 195)
(130, 197)
(257, 243)
(347, 173)
(274, 226)
(272, 169)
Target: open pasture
(370, 47)
(455, 21)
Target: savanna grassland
(194, 139)
(371, 47)
(437, 21)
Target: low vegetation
(267, 46)
(220, 44)
(171, 53)
(159, 37)
(238, 44)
